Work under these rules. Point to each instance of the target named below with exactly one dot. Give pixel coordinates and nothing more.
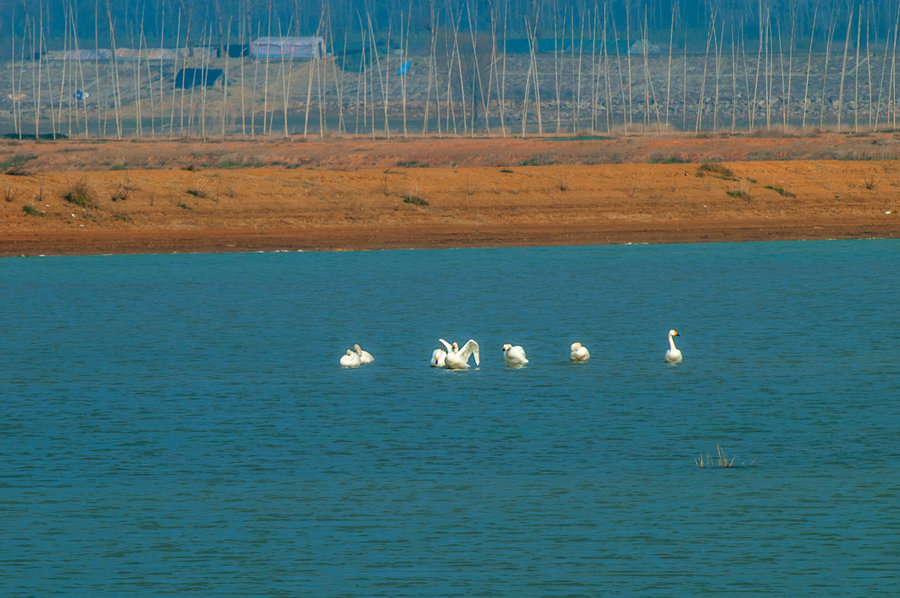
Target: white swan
(514, 356)
(350, 359)
(673, 355)
(458, 359)
(438, 358)
(364, 356)
(578, 352)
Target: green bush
(79, 194)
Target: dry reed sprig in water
(722, 460)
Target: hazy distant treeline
(170, 22)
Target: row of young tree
(472, 68)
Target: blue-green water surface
(179, 425)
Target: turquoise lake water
(179, 425)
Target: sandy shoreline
(60, 202)
(350, 239)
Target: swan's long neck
(671, 343)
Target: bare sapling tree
(734, 95)
(430, 85)
(267, 130)
(710, 34)
(478, 49)
(457, 55)
(669, 65)
(556, 66)
(840, 107)
(527, 81)
(492, 74)
(717, 61)
(225, 80)
(537, 81)
(884, 62)
(892, 89)
(629, 117)
(577, 67)
(856, 72)
(759, 62)
(812, 36)
(832, 23)
(626, 103)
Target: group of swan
(355, 357)
(452, 357)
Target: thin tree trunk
(320, 76)
(309, 80)
(381, 79)
(62, 78)
(595, 69)
(537, 82)
(856, 72)
(746, 71)
(387, 81)
(243, 26)
(492, 73)
(338, 81)
(892, 90)
(669, 65)
(432, 41)
(527, 80)
(502, 85)
(266, 79)
(733, 81)
(152, 98)
(225, 81)
(630, 116)
(626, 103)
(36, 44)
(709, 35)
(100, 132)
(52, 111)
(576, 117)
(40, 73)
(360, 77)
(790, 79)
(604, 56)
(459, 68)
(881, 82)
(12, 73)
(769, 69)
(253, 91)
(869, 71)
(556, 70)
(831, 26)
(139, 129)
(684, 87)
(404, 43)
(758, 66)
(812, 36)
(162, 37)
(484, 105)
(717, 53)
(285, 79)
(644, 49)
(843, 71)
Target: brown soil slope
(123, 197)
